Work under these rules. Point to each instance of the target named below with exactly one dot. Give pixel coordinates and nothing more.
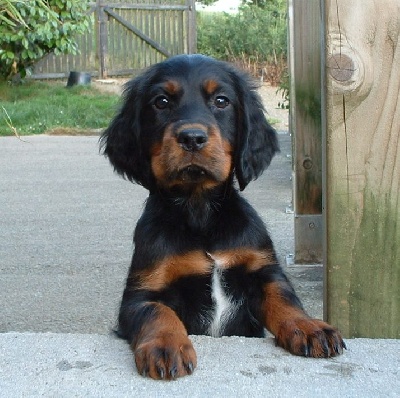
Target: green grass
(39, 107)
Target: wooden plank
(146, 31)
(122, 39)
(168, 36)
(305, 60)
(152, 33)
(140, 45)
(191, 27)
(363, 167)
(102, 40)
(163, 27)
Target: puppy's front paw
(310, 338)
(166, 357)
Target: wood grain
(363, 167)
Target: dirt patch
(114, 86)
(271, 98)
(73, 131)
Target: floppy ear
(257, 140)
(121, 141)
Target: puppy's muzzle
(192, 140)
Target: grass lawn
(38, 107)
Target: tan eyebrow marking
(172, 87)
(210, 86)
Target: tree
(31, 29)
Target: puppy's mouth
(193, 174)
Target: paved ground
(66, 225)
(66, 232)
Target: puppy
(188, 130)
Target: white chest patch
(224, 307)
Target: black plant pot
(78, 78)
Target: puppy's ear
(257, 140)
(121, 142)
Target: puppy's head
(190, 122)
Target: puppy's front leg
(293, 329)
(162, 347)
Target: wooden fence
(125, 37)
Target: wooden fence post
(362, 190)
(305, 124)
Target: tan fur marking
(172, 87)
(172, 268)
(162, 348)
(210, 86)
(294, 330)
(191, 126)
(276, 310)
(252, 259)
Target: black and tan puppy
(203, 262)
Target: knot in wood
(341, 67)
(308, 163)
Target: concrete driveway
(66, 231)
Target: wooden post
(191, 27)
(363, 166)
(305, 125)
(102, 38)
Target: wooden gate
(126, 37)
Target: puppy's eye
(161, 102)
(221, 102)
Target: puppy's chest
(224, 306)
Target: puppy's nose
(192, 140)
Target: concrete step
(93, 365)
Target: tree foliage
(31, 29)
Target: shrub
(45, 27)
(255, 38)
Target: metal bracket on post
(308, 233)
